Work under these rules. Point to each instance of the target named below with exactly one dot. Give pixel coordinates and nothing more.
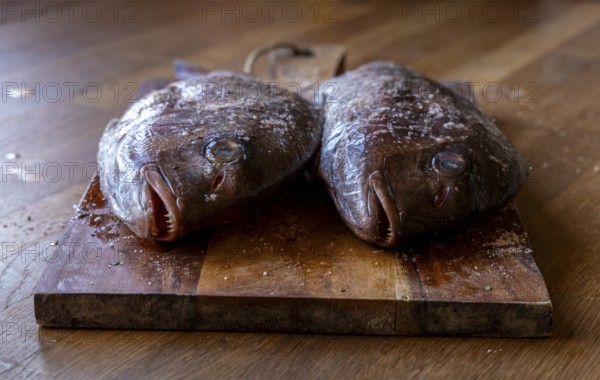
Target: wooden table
(536, 66)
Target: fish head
(180, 167)
(403, 156)
(388, 191)
(213, 180)
(197, 185)
(440, 187)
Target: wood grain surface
(536, 68)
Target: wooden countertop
(536, 65)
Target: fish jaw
(385, 224)
(164, 219)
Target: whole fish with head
(206, 150)
(403, 156)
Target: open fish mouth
(164, 218)
(385, 221)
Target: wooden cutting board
(294, 267)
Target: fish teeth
(170, 221)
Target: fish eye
(224, 150)
(448, 164)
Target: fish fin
(185, 70)
(461, 88)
